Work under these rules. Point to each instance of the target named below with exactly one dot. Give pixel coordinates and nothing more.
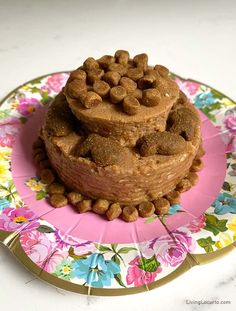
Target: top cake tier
(121, 98)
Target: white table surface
(193, 38)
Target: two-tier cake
(121, 138)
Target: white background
(195, 39)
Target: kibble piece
(107, 152)
(146, 209)
(114, 211)
(44, 164)
(47, 176)
(58, 200)
(134, 73)
(183, 121)
(112, 78)
(101, 88)
(201, 152)
(162, 70)
(173, 197)
(105, 61)
(74, 197)
(38, 143)
(122, 57)
(91, 100)
(104, 151)
(151, 97)
(193, 178)
(141, 61)
(59, 120)
(128, 84)
(131, 105)
(162, 206)
(146, 82)
(197, 165)
(94, 75)
(138, 94)
(184, 185)
(75, 88)
(129, 214)
(152, 72)
(90, 64)
(84, 206)
(117, 94)
(40, 157)
(78, 74)
(56, 188)
(117, 68)
(100, 206)
(164, 143)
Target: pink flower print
(56, 82)
(171, 249)
(54, 259)
(196, 224)
(80, 247)
(27, 106)
(41, 250)
(138, 276)
(188, 87)
(7, 135)
(13, 219)
(37, 246)
(230, 123)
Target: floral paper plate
(85, 253)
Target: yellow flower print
(224, 240)
(5, 173)
(232, 226)
(14, 105)
(227, 102)
(5, 154)
(35, 185)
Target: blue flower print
(174, 209)
(95, 270)
(4, 203)
(225, 203)
(204, 99)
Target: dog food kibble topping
(114, 77)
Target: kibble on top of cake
(119, 80)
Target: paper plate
(87, 254)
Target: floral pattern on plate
(113, 265)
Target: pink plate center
(95, 228)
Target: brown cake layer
(110, 121)
(132, 181)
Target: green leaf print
(125, 250)
(215, 225)
(118, 279)
(102, 248)
(45, 229)
(5, 113)
(150, 219)
(114, 247)
(116, 259)
(226, 186)
(40, 195)
(206, 243)
(149, 264)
